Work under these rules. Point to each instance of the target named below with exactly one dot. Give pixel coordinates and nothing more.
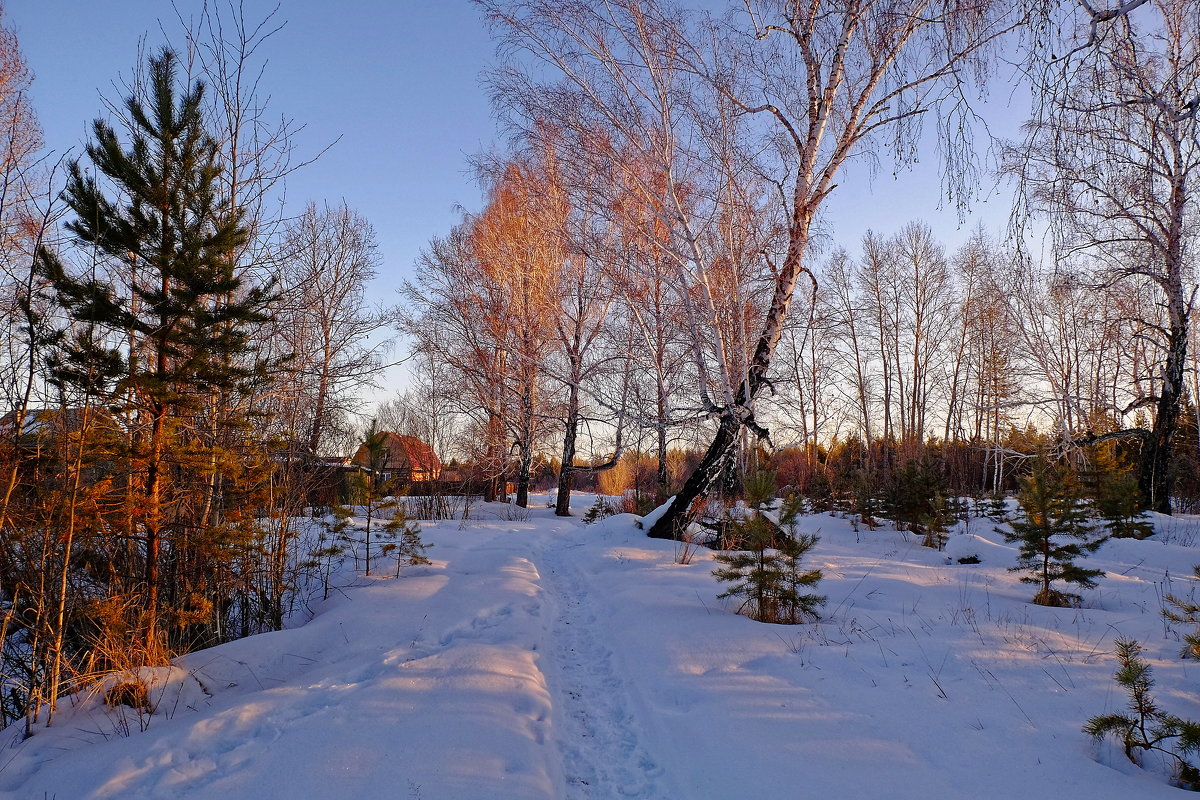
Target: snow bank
(545, 659)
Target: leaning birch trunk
(681, 512)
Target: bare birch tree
(818, 83)
(1113, 158)
(336, 339)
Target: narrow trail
(603, 750)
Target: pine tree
(915, 494)
(867, 503)
(1186, 611)
(165, 328)
(597, 511)
(1117, 503)
(403, 540)
(1052, 531)
(771, 580)
(332, 543)
(759, 488)
(937, 521)
(994, 505)
(1147, 728)
(387, 530)
(377, 487)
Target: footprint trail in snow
(603, 756)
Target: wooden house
(406, 459)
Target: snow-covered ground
(547, 659)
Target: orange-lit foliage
(20, 138)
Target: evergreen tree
(1117, 502)
(1186, 611)
(915, 494)
(386, 527)
(332, 543)
(597, 511)
(867, 503)
(1052, 531)
(377, 487)
(166, 325)
(403, 540)
(994, 505)
(936, 523)
(771, 580)
(1147, 728)
(759, 488)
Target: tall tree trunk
(566, 473)
(1156, 478)
(153, 532)
(523, 474)
(680, 513)
(662, 476)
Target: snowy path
(603, 750)
(541, 660)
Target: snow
(541, 658)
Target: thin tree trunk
(566, 473)
(1156, 479)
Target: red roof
(405, 453)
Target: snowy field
(542, 658)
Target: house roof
(403, 452)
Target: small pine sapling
(914, 494)
(1147, 728)
(1052, 532)
(1116, 503)
(936, 523)
(959, 508)
(770, 580)
(331, 544)
(820, 493)
(597, 511)
(403, 541)
(794, 604)
(995, 505)
(790, 512)
(759, 489)
(377, 488)
(1188, 612)
(866, 501)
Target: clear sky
(398, 81)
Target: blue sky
(398, 81)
